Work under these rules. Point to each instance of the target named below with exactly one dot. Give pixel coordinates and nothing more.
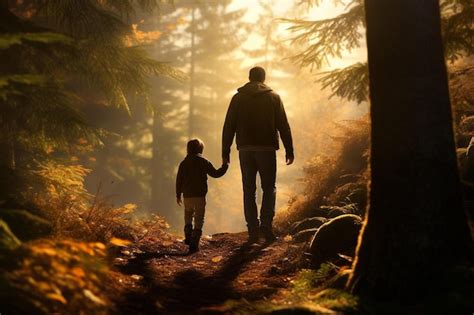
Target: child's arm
(179, 183)
(211, 170)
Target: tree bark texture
(416, 226)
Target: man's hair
(195, 146)
(257, 74)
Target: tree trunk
(415, 226)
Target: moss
(308, 278)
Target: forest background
(137, 163)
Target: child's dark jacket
(191, 180)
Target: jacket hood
(254, 88)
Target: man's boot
(268, 234)
(253, 236)
(188, 231)
(194, 245)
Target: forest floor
(162, 278)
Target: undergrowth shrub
(66, 273)
(59, 191)
(325, 173)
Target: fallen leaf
(136, 277)
(94, 298)
(167, 243)
(216, 259)
(119, 242)
(78, 272)
(99, 245)
(56, 297)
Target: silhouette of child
(191, 182)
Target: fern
(351, 83)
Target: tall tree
(415, 227)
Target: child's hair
(195, 146)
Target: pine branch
(351, 83)
(328, 37)
(84, 19)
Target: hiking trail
(157, 278)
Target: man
(256, 115)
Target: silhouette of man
(256, 116)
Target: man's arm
(211, 170)
(285, 131)
(179, 181)
(228, 132)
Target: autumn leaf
(119, 242)
(56, 297)
(167, 243)
(99, 245)
(94, 298)
(78, 272)
(216, 259)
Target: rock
(338, 235)
(305, 224)
(304, 235)
(8, 240)
(24, 225)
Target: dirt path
(164, 279)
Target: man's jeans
(263, 162)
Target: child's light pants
(194, 207)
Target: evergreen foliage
(330, 38)
(65, 56)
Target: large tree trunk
(416, 226)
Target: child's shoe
(194, 244)
(188, 231)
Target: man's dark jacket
(191, 180)
(256, 115)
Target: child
(191, 181)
